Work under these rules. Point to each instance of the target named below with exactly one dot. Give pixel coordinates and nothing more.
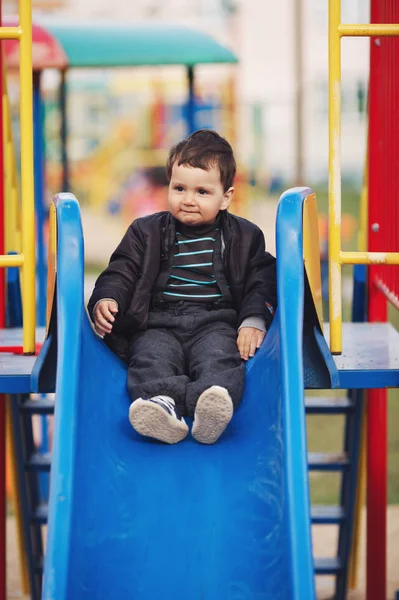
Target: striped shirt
(192, 276)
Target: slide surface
(134, 519)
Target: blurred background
(272, 106)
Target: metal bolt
(377, 42)
(375, 227)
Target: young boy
(178, 287)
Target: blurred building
(267, 50)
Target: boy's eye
(178, 188)
(202, 192)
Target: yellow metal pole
(354, 559)
(12, 33)
(364, 208)
(12, 260)
(10, 174)
(8, 208)
(334, 125)
(27, 186)
(51, 263)
(368, 30)
(369, 258)
(16, 498)
(311, 252)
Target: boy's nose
(189, 199)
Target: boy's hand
(104, 316)
(249, 340)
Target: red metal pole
(376, 470)
(383, 236)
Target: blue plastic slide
(131, 518)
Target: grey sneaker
(158, 418)
(213, 413)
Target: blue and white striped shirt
(192, 276)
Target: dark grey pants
(185, 350)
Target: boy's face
(196, 196)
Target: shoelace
(166, 404)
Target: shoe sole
(213, 413)
(151, 420)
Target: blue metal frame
(30, 541)
(353, 429)
(41, 217)
(41, 212)
(14, 300)
(19, 381)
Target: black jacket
(147, 249)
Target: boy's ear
(227, 198)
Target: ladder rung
(40, 514)
(322, 405)
(10, 33)
(11, 260)
(346, 29)
(327, 515)
(327, 566)
(39, 462)
(369, 258)
(320, 461)
(43, 406)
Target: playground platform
(16, 369)
(370, 358)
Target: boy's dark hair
(204, 149)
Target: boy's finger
(103, 323)
(113, 308)
(107, 314)
(252, 348)
(102, 318)
(99, 330)
(261, 337)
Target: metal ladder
(30, 462)
(346, 462)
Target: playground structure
(241, 516)
(131, 131)
(125, 124)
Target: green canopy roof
(94, 44)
